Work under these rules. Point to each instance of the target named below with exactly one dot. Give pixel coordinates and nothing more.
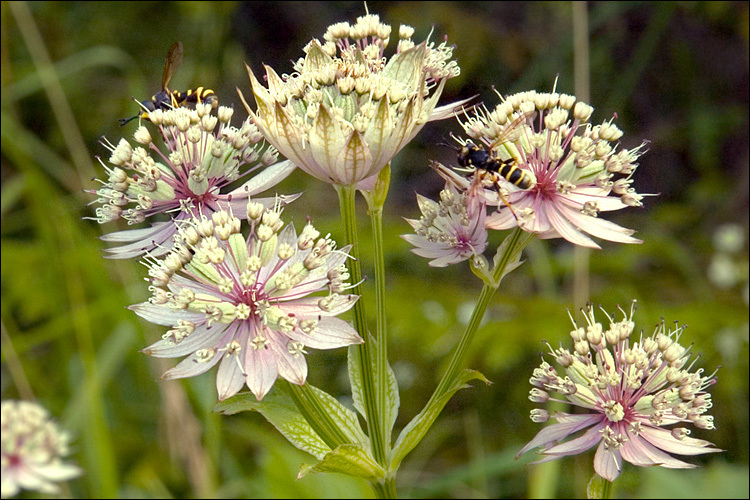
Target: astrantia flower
(574, 169)
(32, 450)
(347, 110)
(247, 302)
(450, 231)
(631, 389)
(181, 175)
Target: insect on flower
(557, 170)
(488, 170)
(169, 99)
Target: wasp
(487, 169)
(170, 99)
(484, 165)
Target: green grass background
(676, 74)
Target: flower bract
(347, 109)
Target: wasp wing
(171, 63)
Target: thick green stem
(386, 489)
(381, 354)
(369, 392)
(315, 413)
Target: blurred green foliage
(676, 74)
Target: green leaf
(376, 196)
(344, 418)
(512, 261)
(418, 427)
(354, 364)
(481, 269)
(598, 487)
(380, 193)
(355, 378)
(393, 401)
(349, 459)
(279, 409)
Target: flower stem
(599, 488)
(515, 243)
(385, 489)
(369, 393)
(381, 354)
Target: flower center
(613, 410)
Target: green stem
(315, 413)
(381, 354)
(515, 243)
(599, 488)
(459, 353)
(369, 393)
(385, 489)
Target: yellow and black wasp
(487, 168)
(169, 99)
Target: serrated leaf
(344, 418)
(349, 459)
(355, 377)
(413, 433)
(354, 365)
(279, 409)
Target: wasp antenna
(125, 121)
(447, 144)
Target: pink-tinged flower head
(632, 389)
(196, 155)
(32, 450)
(449, 231)
(554, 171)
(247, 302)
(346, 110)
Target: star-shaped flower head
(33, 447)
(347, 109)
(449, 231)
(555, 173)
(629, 391)
(182, 173)
(247, 302)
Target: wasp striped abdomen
(511, 173)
